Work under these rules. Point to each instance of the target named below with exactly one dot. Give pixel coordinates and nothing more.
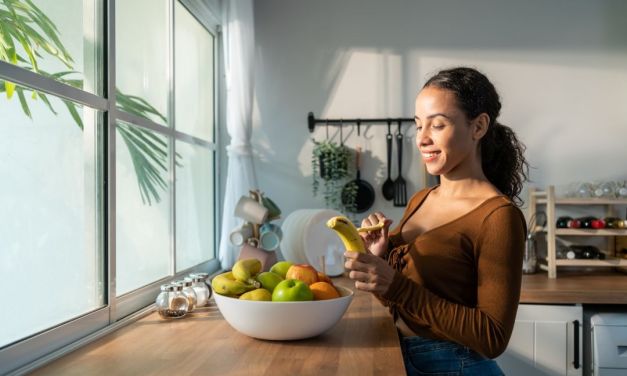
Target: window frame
(40, 348)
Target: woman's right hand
(376, 241)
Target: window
(49, 253)
(104, 197)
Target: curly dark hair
(502, 154)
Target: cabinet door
(543, 342)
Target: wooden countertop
(364, 342)
(601, 287)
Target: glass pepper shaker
(189, 293)
(171, 302)
(203, 293)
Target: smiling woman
(451, 270)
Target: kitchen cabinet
(551, 202)
(545, 341)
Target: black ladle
(388, 186)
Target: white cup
(241, 234)
(250, 210)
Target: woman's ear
(480, 126)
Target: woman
(450, 272)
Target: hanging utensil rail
(312, 122)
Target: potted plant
(330, 163)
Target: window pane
(52, 37)
(194, 205)
(142, 57)
(51, 264)
(142, 208)
(194, 76)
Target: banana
(244, 271)
(226, 284)
(347, 233)
(376, 227)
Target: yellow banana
(226, 284)
(376, 227)
(244, 270)
(347, 232)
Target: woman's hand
(370, 273)
(376, 241)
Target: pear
(269, 280)
(281, 268)
(257, 294)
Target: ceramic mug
(250, 210)
(241, 234)
(270, 236)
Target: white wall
(560, 67)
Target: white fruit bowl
(284, 320)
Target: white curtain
(239, 49)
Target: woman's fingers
(359, 276)
(370, 273)
(353, 262)
(372, 219)
(365, 286)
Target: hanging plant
(330, 163)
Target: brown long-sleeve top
(460, 281)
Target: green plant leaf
(10, 88)
(23, 23)
(44, 99)
(72, 109)
(20, 94)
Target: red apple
(302, 272)
(324, 278)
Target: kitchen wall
(560, 67)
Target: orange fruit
(323, 291)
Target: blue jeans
(433, 357)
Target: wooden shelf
(608, 262)
(548, 198)
(591, 232)
(583, 201)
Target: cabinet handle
(576, 341)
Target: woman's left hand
(370, 272)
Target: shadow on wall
(355, 58)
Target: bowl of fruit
(289, 302)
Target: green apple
(281, 268)
(257, 294)
(268, 280)
(292, 290)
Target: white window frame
(41, 348)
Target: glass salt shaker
(205, 278)
(171, 302)
(203, 293)
(190, 293)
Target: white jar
(203, 293)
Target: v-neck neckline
(484, 202)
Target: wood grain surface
(598, 287)
(364, 342)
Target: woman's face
(443, 133)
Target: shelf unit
(548, 199)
